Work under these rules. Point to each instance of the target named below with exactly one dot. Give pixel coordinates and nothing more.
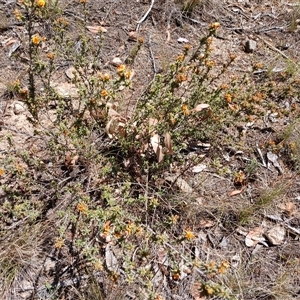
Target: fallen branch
(145, 16)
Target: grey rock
(250, 46)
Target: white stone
(19, 107)
(116, 61)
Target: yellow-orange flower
(185, 109)
(40, 3)
(51, 55)
(104, 93)
(181, 77)
(224, 266)
(1, 172)
(36, 39)
(103, 77)
(209, 40)
(106, 77)
(228, 98)
(82, 207)
(187, 47)
(18, 15)
(209, 63)
(129, 228)
(59, 243)
(180, 57)
(121, 69)
(128, 74)
(176, 275)
(209, 290)
(214, 26)
(189, 235)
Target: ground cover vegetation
(155, 172)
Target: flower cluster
(36, 39)
(40, 3)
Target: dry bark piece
(157, 148)
(274, 159)
(250, 46)
(168, 143)
(14, 47)
(111, 260)
(236, 192)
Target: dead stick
(275, 49)
(145, 16)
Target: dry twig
(145, 16)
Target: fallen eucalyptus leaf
(206, 223)
(96, 29)
(288, 207)
(182, 40)
(198, 168)
(236, 192)
(202, 106)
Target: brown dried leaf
(206, 223)
(254, 236)
(96, 29)
(152, 122)
(70, 161)
(116, 125)
(235, 192)
(133, 35)
(168, 143)
(113, 113)
(288, 207)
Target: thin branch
(145, 16)
(152, 56)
